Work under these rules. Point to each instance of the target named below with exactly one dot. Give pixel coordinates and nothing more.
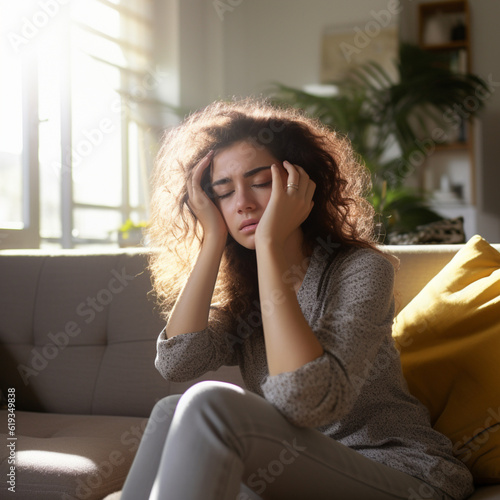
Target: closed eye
(229, 193)
(265, 184)
(222, 196)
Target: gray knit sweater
(355, 392)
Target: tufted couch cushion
(69, 327)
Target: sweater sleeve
(190, 355)
(355, 322)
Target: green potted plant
(130, 233)
(378, 113)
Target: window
(79, 120)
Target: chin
(247, 242)
(249, 245)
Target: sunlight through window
(11, 134)
(93, 90)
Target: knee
(164, 409)
(212, 396)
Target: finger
(194, 185)
(200, 168)
(301, 171)
(276, 179)
(308, 198)
(303, 175)
(293, 173)
(293, 181)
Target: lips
(248, 225)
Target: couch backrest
(78, 333)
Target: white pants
(220, 442)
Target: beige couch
(77, 344)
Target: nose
(245, 201)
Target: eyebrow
(254, 171)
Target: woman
(263, 210)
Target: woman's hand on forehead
(201, 205)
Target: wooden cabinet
(449, 172)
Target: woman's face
(241, 181)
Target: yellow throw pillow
(449, 339)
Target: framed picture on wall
(343, 49)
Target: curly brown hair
(340, 212)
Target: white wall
(219, 48)
(270, 41)
(189, 49)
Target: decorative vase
(437, 30)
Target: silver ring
(293, 186)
